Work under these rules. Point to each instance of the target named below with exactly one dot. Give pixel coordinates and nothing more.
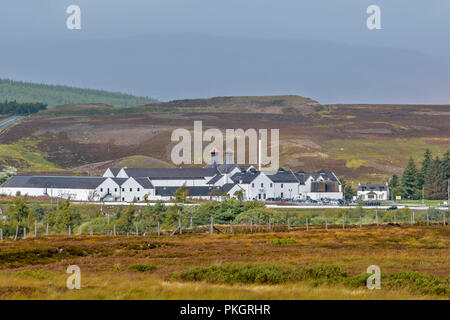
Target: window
(253, 185)
(262, 185)
(281, 195)
(281, 186)
(131, 189)
(123, 189)
(101, 189)
(271, 185)
(138, 199)
(115, 189)
(138, 189)
(123, 199)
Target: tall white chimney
(259, 152)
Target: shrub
(282, 241)
(141, 267)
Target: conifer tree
(409, 179)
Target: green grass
(25, 152)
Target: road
(9, 121)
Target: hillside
(53, 95)
(361, 142)
(265, 104)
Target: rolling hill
(54, 95)
(362, 142)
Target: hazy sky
(409, 24)
(174, 49)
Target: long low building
(213, 181)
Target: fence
(191, 225)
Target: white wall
(74, 194)
(132, 189)
(114, 189)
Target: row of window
(262, 185)
(123, 189)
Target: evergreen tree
(394, 181)
(409, 179)
(446, 165)
(435, 184)
(426, 164)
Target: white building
(368, 192)
(214, 180)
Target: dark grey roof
(283, 176)
(192, 191)
(246, 177)
(114, 171)
(372, 187)
(144, 182)
(228, 186)
(62, 182)
(119, 181)
(171, 173)
(216, 178)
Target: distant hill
(288, 104)
(54, 95)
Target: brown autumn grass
(35, 268)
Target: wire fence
(196, 225)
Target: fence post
(251, 225)
(360, 221)
(343, 222)
(306, 223)
(70, 231)
(114, 228)
(90, 230)
(180, 226)
(137, 231)
(46, 230)
(326, 223)
(35, 228)
(395, 218)
(289, 224)
(24, 233)
(1, 234)
(211, 225)
(231, 226)
(413, 218)
(17, 232)
(428, 219)
(270, 225)
(159, 228)
(443, 215)
(190, 222)
(376, 216)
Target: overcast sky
(420, 29)
(410, 24)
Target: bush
(283, 241)
(141, 267)
(270, 274)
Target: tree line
(26, 108)
(429, 181)
(54, 95)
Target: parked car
(392, 208)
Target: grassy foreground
(314, 264)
